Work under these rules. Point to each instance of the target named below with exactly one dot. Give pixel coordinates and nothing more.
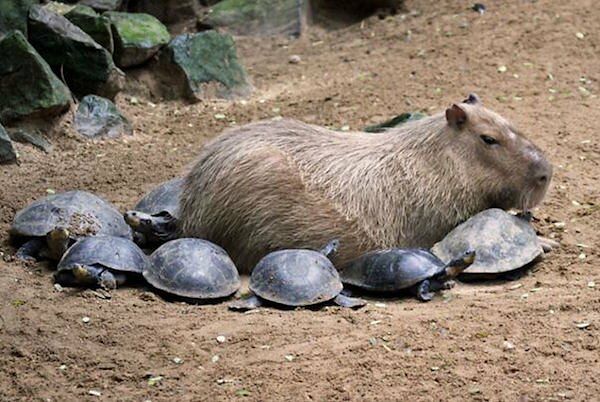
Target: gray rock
(203, 65)
(103, 5)
(7, 151)
(137, 37)
(97, 117)
(33, 137)
(86, 66)
(28, 86)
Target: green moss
(138, 29)
(13, 14)
(27, 83)
(207, 57)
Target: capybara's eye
(489, 140)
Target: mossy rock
(258, 17)
(27, 83)
(103, 5)
(13, 15)
(137, 36)
(203, 65)
(97, 117)
(394, 122)
(90, 22)
(87, 67)
(7, 150)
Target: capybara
(286, 184)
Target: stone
(137, 37)
(86, 66)
(94, 24)
(258, 17)
(203, 65)
(33, 137)
(176, 14)
(90, 22)
(102, 5)
(394, 122)
(7, 151)
(97, 117)
(27, 83)
(13, 15)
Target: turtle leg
(31, 250)
(548, 244)
(424, 291)
(249, 303)
(108, 280)
(448, 284)
(139, 239)
(350, 302)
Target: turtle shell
(165, 197)
(295, 277)
(192, 268)
(503, 242)
(391, 269)
(116, 253)
(83, 213)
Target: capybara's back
(285, 184)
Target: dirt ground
(486, 341)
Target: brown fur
(285, 184)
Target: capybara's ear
(456, 116)
(473, 99)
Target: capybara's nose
(542, 173)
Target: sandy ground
(486, 341)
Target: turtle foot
(448, 285)
(548, 244)
(350, 302)
(249, 303)
(424, 292)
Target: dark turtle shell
(163, 198)
(503, 242)
(391, 269)
(192, 268)
(83, 213)
(115, 253)
(295, 277)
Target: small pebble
(177, 360)
(295, 59)
(582, 325)
(582, 256)
(215, 358)
(85, 320)
(380, 305)
(479, 7)
(591, 284)
(221, 339)
(62, 367)
(502, 69)
(375, 322)
(219, 116)
(559, 225)
(506, 345)
(580, 35)
(154, 380)
(93, 392)
(289, 358)
(58, 288)
(345, 128)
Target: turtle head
(82, 275)
(139, 221)
(458, 265)
(330, 248)
(58, 240)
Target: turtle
(100, 261)
(396, 269)
(154, 217)
(296, 278)
(503, 242)
(192, 269)
(48, 226)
